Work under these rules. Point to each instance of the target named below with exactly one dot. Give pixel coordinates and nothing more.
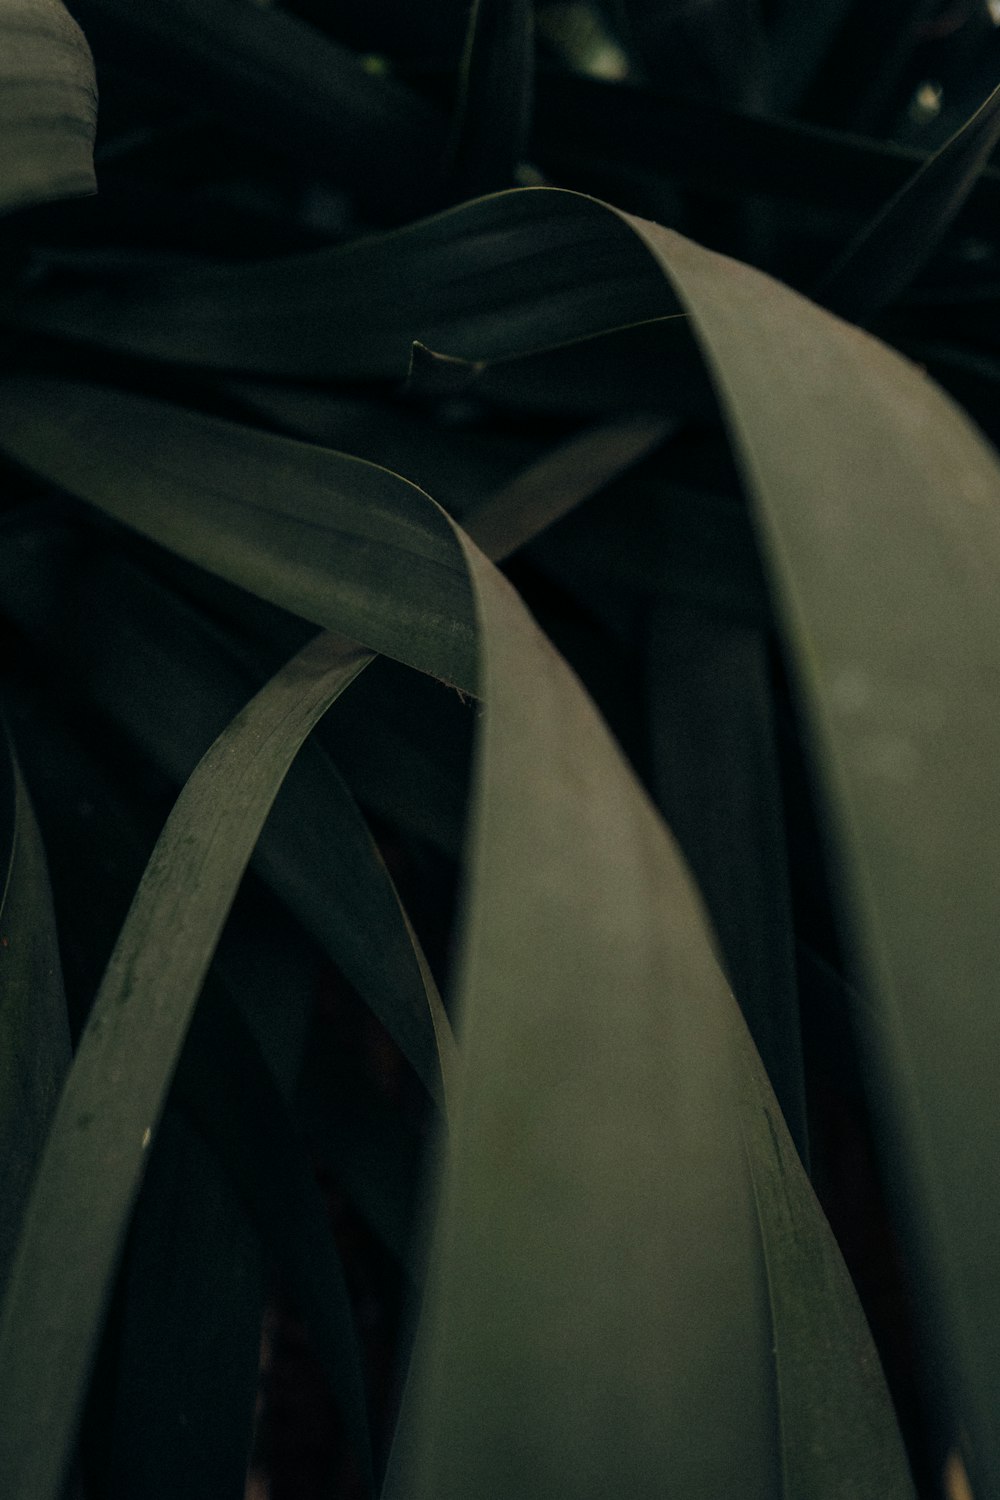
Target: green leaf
(179, 1375)
(224, 1087)
(92, 1165)
(270, 76)
(48, 104)
(34, 1030)
(561, 480)
(316, 532)
(493, 115)
(716, 781)
(887, 255)
(877, 507)
(188, 1341)
(800, 38)
(614, 1276)
(315, 852)
(710, 148)
(470, 282)
(857, 85)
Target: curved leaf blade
(877, 508)
(607, 1085)
(889, 252)
(533, 274)
(315, 851)
(48, 105)
(325, 536)
(114, 1093)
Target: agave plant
(509, 985)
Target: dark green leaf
(800, 38)
(224, 1086)
(705, 146)
(494, 108)
(315, 851)
(607, 1084)
(274, 77)
(716, 781)
(877, 504)
(365, 1147)
(872, 494)
(93, 1160)
(857, 84)
(188, 1344)
(34, 1031)
(892, 250)
(557, 483)
(318, 533)
(48, 104)
(484, 281)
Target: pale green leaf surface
(115, 1090)
(48, 104)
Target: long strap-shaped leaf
(34, 1029)
(890, 251)
(485, 280)
(599, 1198)
(615, 1137)
(92, 1165)
(315, 842)
(877, 503)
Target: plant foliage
(560, 994)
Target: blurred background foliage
(234, 271)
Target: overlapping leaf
(605, 1079)
(890, 251)
(611, 1102)
(315, 852)
(114, 1094)
(877, 506)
